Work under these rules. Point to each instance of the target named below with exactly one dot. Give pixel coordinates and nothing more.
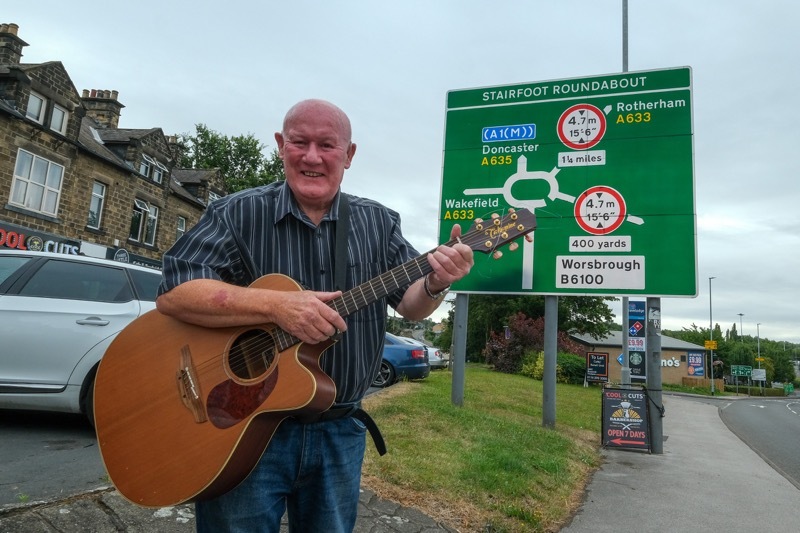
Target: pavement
(706, 480)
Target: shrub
(526, 336)
(533, 365)
(571, 368)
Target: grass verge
(488, 465)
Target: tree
(490, 313)
(240, 158)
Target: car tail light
(417, 354)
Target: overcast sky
(238, 65)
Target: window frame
(180, 227)
(151, 226)
(147, 224)
(39, 117)
(140, 207)
(65, 114)
(159, 171)
(100, 199)
(146, 166)
(28, 185)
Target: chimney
(176, 148)
(102, 106)
(10, 45)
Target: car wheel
(385, 375)
(87, 405)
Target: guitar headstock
(487, 236)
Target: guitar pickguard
(229, 402)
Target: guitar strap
(340, 281)
(342, 229)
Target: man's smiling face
(316, 149)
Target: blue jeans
(313, 471)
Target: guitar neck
(484, 237)
(380, 287)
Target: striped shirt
(260, 231)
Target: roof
(194, 175)
(178, 190)
(91, 141)
(116, 135)
(614, 338)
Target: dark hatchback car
(401, 360)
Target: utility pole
(741, 333)
(711, 336)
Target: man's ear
(351, 151)
(279, 142)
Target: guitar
(184, 413)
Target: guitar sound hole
(251, 354)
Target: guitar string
(276, 340)
(264, 341)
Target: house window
(146, 165)
(158, 171)
(96, 205)
(144, 222)
(181, 228)
(58, 121)
(36, 107)
(37, 183)
(152, 225)
(140, 212)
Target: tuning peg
(479, 221)
(497, 254)
(513, 246)
(528, 238)
(495, 216)
(511, 210)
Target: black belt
(355, 411)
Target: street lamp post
(741, 333)
(711, 336)
(758, 348)
(758, 343)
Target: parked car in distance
(436, 360)
(58, 314)
(401, 360)
(434, 356)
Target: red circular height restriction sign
(581, 126)
(600, 210)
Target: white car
(435, 359)
(58, 314)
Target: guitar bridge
(189, 387)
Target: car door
(51, 318)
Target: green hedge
(754, 391)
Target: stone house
(72, 181)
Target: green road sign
(741, 370)
(606, 165)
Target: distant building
(675, 356)
(72, 181)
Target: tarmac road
(47, 456)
